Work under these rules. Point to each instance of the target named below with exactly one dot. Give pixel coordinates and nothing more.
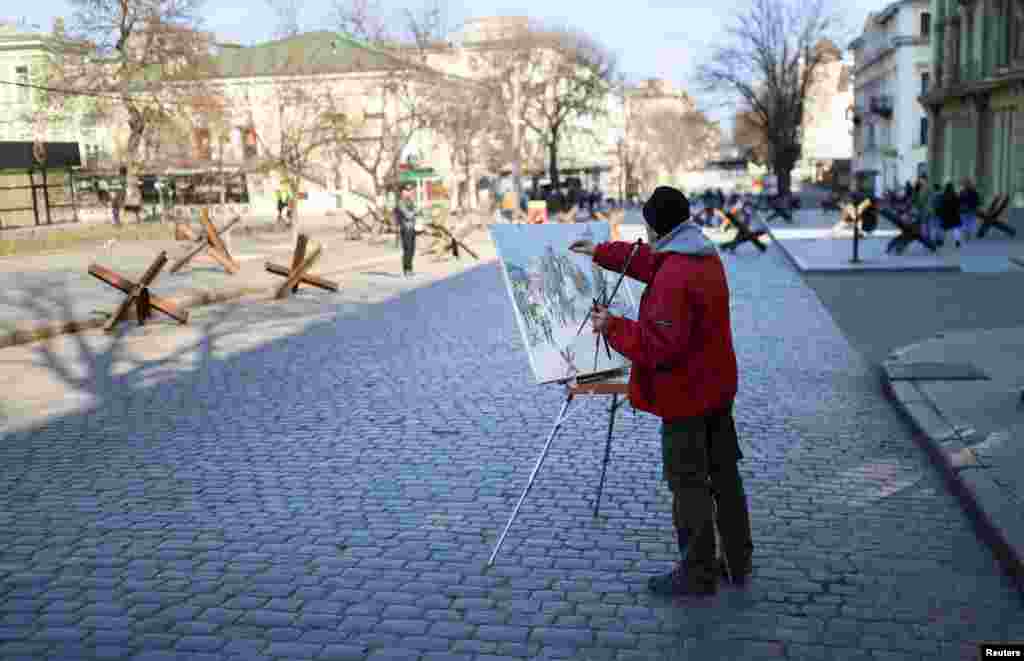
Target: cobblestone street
(326, 480)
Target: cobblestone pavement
(297, 481)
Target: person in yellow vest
(283, 195)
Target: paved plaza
(325, 479)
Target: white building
(24, 58)
(827, 132)
(892, 61)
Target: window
(926, 79)
(926, 25)
(1016, 27)
(922, 138)
(21, 73)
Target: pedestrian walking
(969, 203)
(281, 195)
(405, 218)
(684, 371)
(950, 213)
(117, 200)
(935, 232)
(919, 203)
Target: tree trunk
(553, 160)
(136, 127)
(470, 191)
(782, 166)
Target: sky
(662, 39)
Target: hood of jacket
(686, 239)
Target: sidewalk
(49, 295)
(962, 387)
(963, 391)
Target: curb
(984, 526)
(187, 302)
(849, 267)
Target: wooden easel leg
(607, 451)
(562, 417)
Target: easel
(599, 384)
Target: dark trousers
(699, 457)
(408, 237)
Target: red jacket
(683, 362)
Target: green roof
(320, 52)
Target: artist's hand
(599, 318)
(583, 247)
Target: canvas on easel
(552, 292)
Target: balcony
(882, 106)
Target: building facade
(892, 65)
(976, 101)
(25, 56)
(827, 132)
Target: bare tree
(565, 78)
(287, 13)
(312, 126)
(137, 59)
(769, 60)
(631, 149)
(412, 31)
(467, 116)
(144, 51)
(750, 136)
(397, 104)
(680, 138)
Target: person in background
(935, 232)
(950, 213)
(405, 218)
(281, 195)
(920, 202)
(969, 203)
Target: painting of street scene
(552, 292)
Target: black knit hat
(666, 209)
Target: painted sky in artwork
(552, 291)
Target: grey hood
(687, 239)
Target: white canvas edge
(523, 335)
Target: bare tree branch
(769, 61)
(287, 12)
(563, 79)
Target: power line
(57, 90)
(98, 95)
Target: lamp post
(856, 236)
